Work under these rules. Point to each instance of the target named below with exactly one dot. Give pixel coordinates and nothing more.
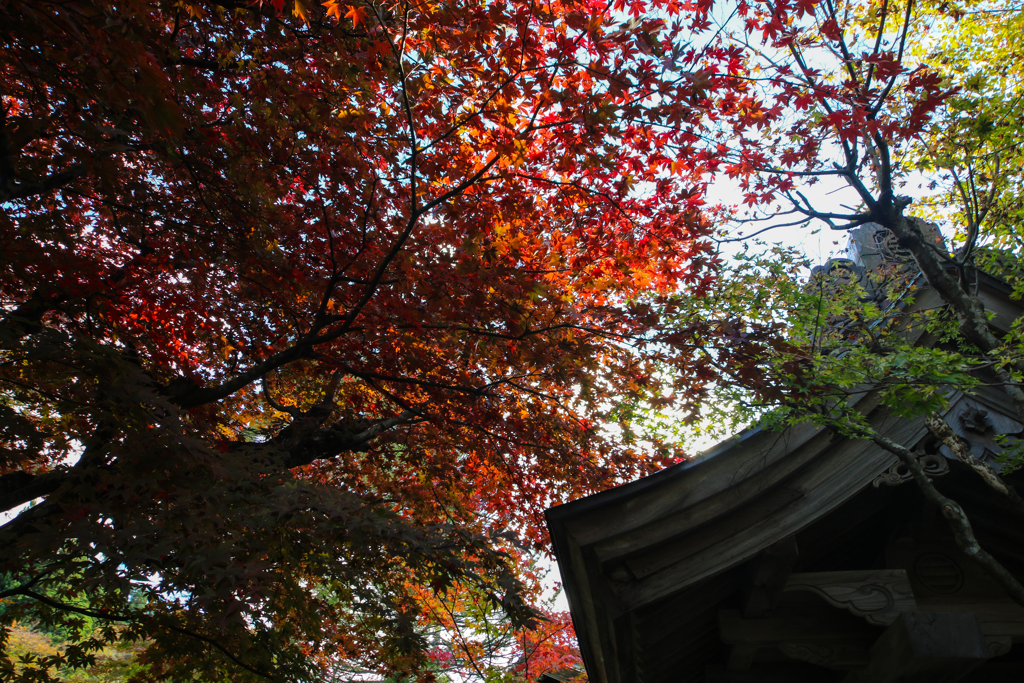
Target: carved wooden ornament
(934, 466)
(878, 596)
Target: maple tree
(469, 639)
(310, 310)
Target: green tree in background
(972, 154)
(896, 112)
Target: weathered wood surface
(1002, 618)
(768, 577)
(741, 657)
(925, 647)
(839, 656)
(835, 476)
(594, 640)
(1005, 310)
(877, 595)
(713, 504)
(769, 673)
(825, 626)
(997, 672)
(625, 511)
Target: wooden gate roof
(649, 567)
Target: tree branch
(968, 309)
(961, 449)
(18, 488)
(955, 516)
(126, 619)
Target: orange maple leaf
(333, 9)
(356, 14)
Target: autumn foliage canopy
(309, 309)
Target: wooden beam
(819, 636)
(997, 618)
(877, 595)
(741, 657)
(827, 625)
(997, 672)
(925, 647)
(840, 656)
(770, 673)
(768, 576)
(765, 581)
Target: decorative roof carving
(938, 573)
(878, 596)
(934, 466)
